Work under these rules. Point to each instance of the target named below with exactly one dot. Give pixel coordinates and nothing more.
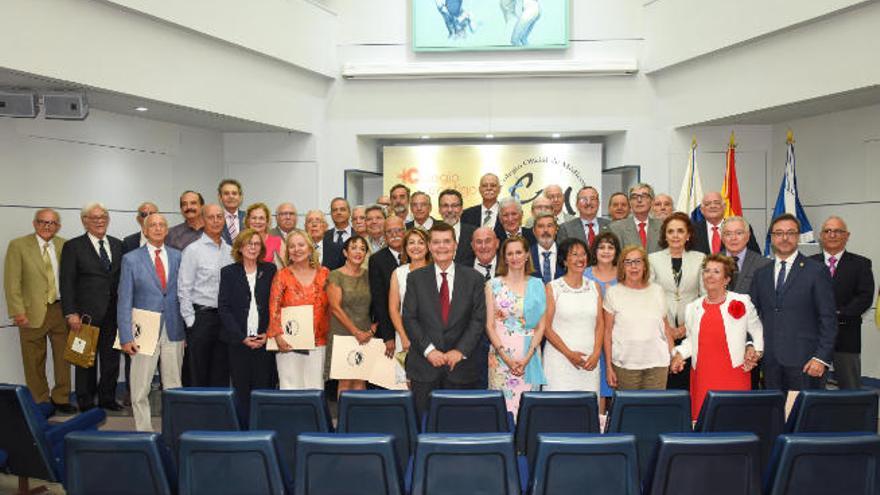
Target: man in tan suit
(32, 296)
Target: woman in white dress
(414, 256)
(576, 330)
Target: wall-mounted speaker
(65, 106)
(17, 103)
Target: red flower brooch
(736, 309)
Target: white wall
(117, 160)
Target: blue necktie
(105, 259)
(545, 268)
(780, 279)
(339, 234)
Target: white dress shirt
(253, 318)
(53, 258)
(492, 265)
(426, 226)
(163, 255)
(591, 225)
(493, 217)
(837, 257)
(450, 278)
(97, 245)
(777, 265)
(709, 233)
(199, 279)
(552, 252)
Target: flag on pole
(691, 194)
(730, 187)
(788, 201)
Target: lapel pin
(801, 264)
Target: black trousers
(207, 356)
(251, 369)
(88, 384)
(785, 378)
(422, 391)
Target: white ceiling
(126, 104)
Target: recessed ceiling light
(140, 109)
(425, 136)
(556, 135)
(490, 136)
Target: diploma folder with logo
(145, 326)
(353, 361)
(297, 328)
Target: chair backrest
(465, 463)
(22, 436)
(197, 408)
(554, 412)
(388, 412)
(700, 463)
(646, 414)
(569, 463)
(231, 462)
(331, 463)
(823, 463)
(289, 413)
(761, 412)
(817, 411)
(467, 411)
(112, 462)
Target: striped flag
(788, 201)
(730, 187)
(691, 194)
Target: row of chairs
(688, 463)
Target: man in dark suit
(485, 214)
(545, 256)
(444, 312)
(420, 207)
(853, 283)
(587, 225)
(639, 229)
(382, 265)
(148, 281)
(736, 234)
(89, 281)
(285, 220)
(795, 302)
(708, 237)
(335, 237)
(511, 222)
(137, 239)
(450, 202)
(230, 195)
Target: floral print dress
(511, 330)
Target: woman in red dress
(719, 325)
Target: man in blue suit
(795, 300)
(230, 195)
(545, 256)
(149, 282)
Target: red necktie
(444, 299)
(160, 270)
(716, 240)
(591, 237)
(643, 235)
(832, 265)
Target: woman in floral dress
(515, 304)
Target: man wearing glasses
(707, 233)
(137, 239)
(89, 277)
(31, 283)
(795, 300)
(853, 283)
(285, 220)
(639, 229)
(588, 225)
(382, 265)
(736, 235)
(450, 205)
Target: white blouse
(638, 338)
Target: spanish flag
(730, 188)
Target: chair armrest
(88, 420)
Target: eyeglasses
(285, 214)
(637, 262)
(588, 200)
(639, 196)
(145, 214)
(779, 234)
(47, 223)
(834, 232)
(100, 218)
(733, 233)
(255, 244)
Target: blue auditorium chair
(115, 462)
(701, 463)
(460, 463)
(334, 463)
(390, 412)
(467, 411)
(554, 412)
(575, 462)
(761, 412)
(824, 463)
(34, 447)
(646, 414)
(817, 411)
(231, 463)
(289, 413)
(197, 408)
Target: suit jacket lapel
(458, 292)
(150, 267)
(795, 270)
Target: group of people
(643, 299)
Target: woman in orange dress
(302, 282)
(718, 327)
